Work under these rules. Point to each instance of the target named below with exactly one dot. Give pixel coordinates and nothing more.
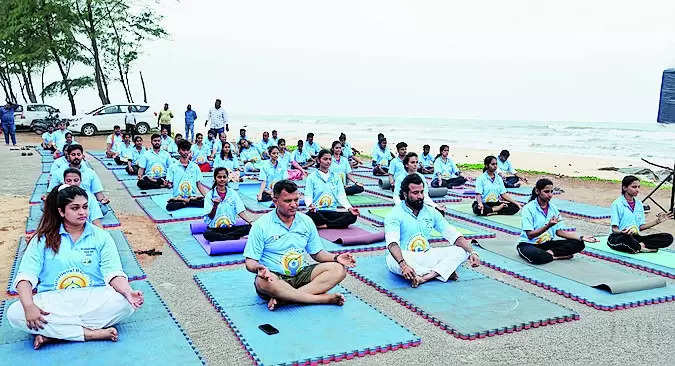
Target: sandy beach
(598, 338)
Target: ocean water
(605, 139)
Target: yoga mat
(130, 264)
(43, 152)
(108, 163)
(462, 192)
(437, 192)
(248, 193)
(475, 306)
(35, 214)
(221, 247)
(593, 297)
(42, 179)
(353, 235)
(313, 334)
(661, 263)
(179, 237)
(46, 167)
(155, 208)
(365, 200)
(151, 336)
(377, 215)
(122, 174)
(583, 269)
(199, 227)
(577, 208)
(38, 191)
(520, 191)
(135, 192)
(389, 194)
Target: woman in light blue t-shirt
(491, 196)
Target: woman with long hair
(295, 171)
(221, 208)
(249, 156)
(271, 172)
(75, 268)
(491, 196)
(445, 169)
(340, 166)
(628, 220)
(349, 152)
(541, 224)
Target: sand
(635, 336)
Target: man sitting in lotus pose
(186, 180)
(408, 228)
(275, 252)
(153, 165)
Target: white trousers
(72, 310)
(443, 261)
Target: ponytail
(440, 151)
(541, 184)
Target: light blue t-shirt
(218, 147)
(200, 154)
(445, 169)
(625, 218)
(413, 232)
(89, 181)
(60, 138)
(263, 145)
(426, 161)
(490, 190)
(381, 157)
(210, 144)
(184, 179)
(61, 162)
(313, 148)
(272, 173)
(134, 155)
(301, 157)
(155, 164)
(227, 211)
(279, 248)
(250, 153)
(95, 212)
(341, 168)
(533, 217)
(347, 150)
(123, 149)
(324, 190)
(396, 168)
(48, 137)
(166, 142)
(229, 164)
(505, 166)
(285, 159)
(91, 261)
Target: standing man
(218, 118)
(130, 122)
(190, 117)
(164, 118)
(7, 119)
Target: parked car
(25, 116)
(104, 118)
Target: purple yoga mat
(200, 227)
(351, 236)
(221, 247)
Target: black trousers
(353, 189)
(332, 219)
(537, 253)
(119, 161)
(511, 182)
(226, 233)
(133, 170)
(449, 183)
(510, 209)
(266, 197)
(173, 204)
(631, 243)
(131, 129)
(146, 183)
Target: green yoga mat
(583, 269)
(661, 258)
(366, 199)
(510, 220)
(383, 212)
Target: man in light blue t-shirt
(505, 170)
(275, 252)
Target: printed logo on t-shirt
(492, 197)
(185, 188)
(157, 170)
(72, 278)
(633, 229)
(223, 221)
(543, 238)
(325, 200)
(200, 159)
(292, 262)
(418, 243)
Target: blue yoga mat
(475, 306)
(591, 296)
(36, 195)
(35, 214)
(155, 208)
(121, 174)
(151, 336)
(390, 194)
(134, 191)
(43, 152)
(248, 193)
(335, 332)
(46, 167)
(178, 235)
(42, 179)
(129, 261)
(577, 208)
(106, 162)
(640, 260)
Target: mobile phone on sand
(268, 329)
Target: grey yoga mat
(384, 183)
(583, 269)
(437, 192)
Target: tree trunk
(126, 78)
(98, 70)
(23, 95)
(145, 96)
(25, 75)
(42, 87)
(118, 51)
(29, 74)
(66, 83)
(6, 77)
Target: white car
(106, 117)
(24, 116)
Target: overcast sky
(517, 60)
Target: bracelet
(335, 258)
(399, 262)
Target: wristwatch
(335, 258)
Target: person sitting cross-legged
(275, 252)
(222, 205)
(185, 178)
(82, 291)
(323, 191)
(153, 165)
(407, 230)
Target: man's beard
(156, 146)
(415, 204)
(75, 161)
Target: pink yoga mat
(353, 235)
(221, 247)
